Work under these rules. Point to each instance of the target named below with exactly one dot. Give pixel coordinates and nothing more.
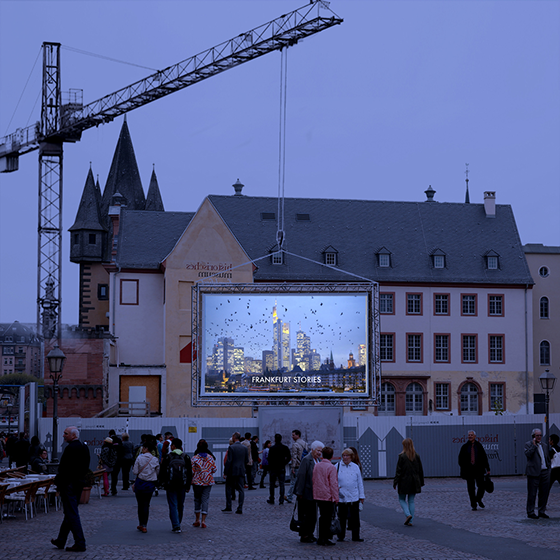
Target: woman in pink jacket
(325, 493)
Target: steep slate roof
(153, 199)
(19, 333)
(147, 237)
(124, 176)
(88, 215)
(411, 231)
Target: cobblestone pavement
(445, 528)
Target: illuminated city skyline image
(248, 337)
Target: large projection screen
(285, 344)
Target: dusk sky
(400, 96)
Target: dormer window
(384, 258)
(277, 258)
(438, 259)
(492, 260)
(330, 256)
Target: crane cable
(280, 235)
(24, 88)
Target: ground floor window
(387, 400)
(414, 399)
(469, 399)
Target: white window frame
(414, 399)
(384, 260)
(469, 399)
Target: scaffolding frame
(240, 399)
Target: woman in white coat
(350, 495)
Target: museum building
(455, 297)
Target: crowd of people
(329, 495)
(22, 451)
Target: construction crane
(64, 117)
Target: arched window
(469, 399)
(414, 399)
(545, 353)
(544, 307)
(387, 402)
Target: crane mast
(64, 120)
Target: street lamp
(547, 380)
(56, 359)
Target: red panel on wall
(185, 356)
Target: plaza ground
(445, 528)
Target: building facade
(544, 263)
(21, 349)
(455, 296)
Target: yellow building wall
(206, 243)
(93, 312)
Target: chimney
(490, 204)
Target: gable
(208, 247)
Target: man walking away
(175, 475)
(70, 480)
(127, 460)
(474, 465)
(255, 459)
(234, 472)
(278, 458)
(538, 474)
(246, 442)
(299, 450)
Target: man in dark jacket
(234, 472)
(74, 464)
(127, 460)
(278, 457)
(474, 465)
(20, 451)
(538, 474)
(307, 507)
(118, 447)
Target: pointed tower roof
(153, 200)
(88, 215)
(124, 176)
(98, 191)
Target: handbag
(137, 484)
(295, 525)
(488, 484)
(335, 527)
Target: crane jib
(277, 34)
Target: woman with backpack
(107, 460)
(204, 467)
(176, 477)
(146, 469)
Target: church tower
(91, 234)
